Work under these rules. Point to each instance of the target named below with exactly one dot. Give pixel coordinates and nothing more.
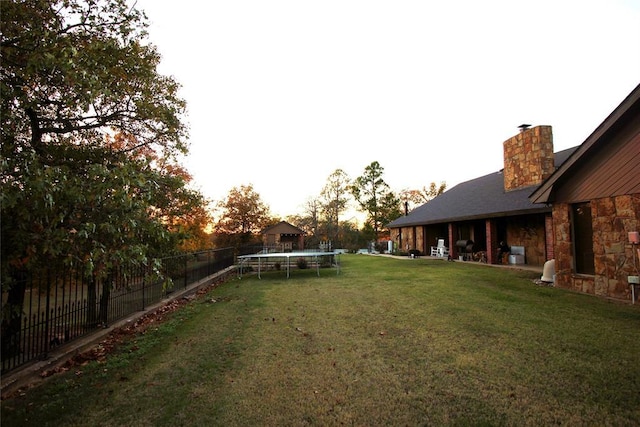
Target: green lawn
(386, 342)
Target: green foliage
(353, 239)
(90, 135)
(243, 215)
(236, 240)
(375, 197)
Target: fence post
(186, 261)
(47, 317)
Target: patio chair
(440, 251)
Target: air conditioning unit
(517, 255)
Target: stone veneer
(409, 238)
(612, 219)
(528, 158)
(529, 231)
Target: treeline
(326, 217)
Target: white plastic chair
(440, 251)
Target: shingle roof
(482, 197)
(283, 227)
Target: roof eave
(535, 210)
(544, 192)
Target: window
(582, 236)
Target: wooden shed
(283, 237)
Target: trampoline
(286, 256)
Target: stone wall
(419, 242)
(528, 158)
(394, 235)
(406, 238)
(612, 218)
(528, 231)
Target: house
(491, 208)
(595, 199)
(283, 237)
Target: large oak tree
(243, 215)
(91, 136)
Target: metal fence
(48, 308)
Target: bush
(302, 263)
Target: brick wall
(548, 231)
(528, 158)
(491, 242)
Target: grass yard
(386, 342)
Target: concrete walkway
(526, 267)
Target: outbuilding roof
(482, 197)
(282, 227)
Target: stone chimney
(528, 157)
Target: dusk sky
(282, 93)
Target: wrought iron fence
(42, 310)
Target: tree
(420, 197)
(389, 210)
(334, 199)
(375, 197)
(243, 216)
(90, 139)
(353, 238)
(74, 73)
(185, 212)
(309, 222)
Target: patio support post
(492, 241)
(453, 251)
